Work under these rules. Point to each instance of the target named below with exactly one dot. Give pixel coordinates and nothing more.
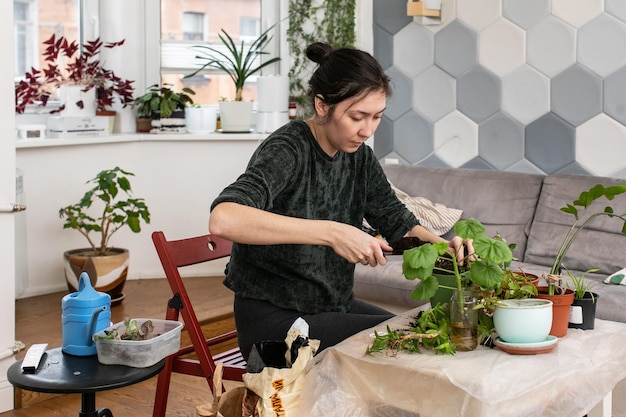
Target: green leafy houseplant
(116, 213)
(238, 61)
(67, 64)
(584, 201)
(484, 275)
(164, 100)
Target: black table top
(64, 373)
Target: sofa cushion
(596, 245)
(503, 201)
(435, 217)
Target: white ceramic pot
(236, 116)
(201, 119)
(523, 320)
(77, 102)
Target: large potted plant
(107, 266)
(239, 62)
(164, 107)
(87, 86)
(561, 296)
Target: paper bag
(276, 371)
(225, 404)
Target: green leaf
(486, 274)
(492, 250)
(425, 289)
(469, 228)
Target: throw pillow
(435, 217)
(618, 278)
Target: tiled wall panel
(531, 86)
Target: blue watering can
(85, 312)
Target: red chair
(173, 255)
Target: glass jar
(463, 321)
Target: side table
(61, 373)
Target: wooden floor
(38, 320)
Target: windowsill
(136, 137)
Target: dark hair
(343, 73)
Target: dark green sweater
(290, 174)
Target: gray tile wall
(531, 86)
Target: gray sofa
(524, 209)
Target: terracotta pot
(561, 304)
(144, 124)
(106, 273)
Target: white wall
(178, 179)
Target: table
(69, 374)
(574, 379)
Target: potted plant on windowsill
(78, 72)
(164, 107)
(239, 62)
(555, 291)
(107, 266)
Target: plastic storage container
(139, 353)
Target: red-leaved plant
(66, 65)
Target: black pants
(258, 320)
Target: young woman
(296, 213)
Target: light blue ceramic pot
(523, 320)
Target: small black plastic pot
(583, 312)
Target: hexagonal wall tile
(400, 101)
(526, 94)
(577, 12)
(448, 15)
(525, 13)
(597, 46)
(501, 47)
(576, 95)
(478, 94)
(383, 46)
(413, 49)
(617, 8)
(413, 137)
(551, 46)
(596, 158)
(614, 87)
(456, 139)
(383, 138)
(500, 140)
(550, 143)
(478, 14)
(390, 15)
(456, 48)
(434, 93)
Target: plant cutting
(112, 190)
(239, 62)
(67, 64)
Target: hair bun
(319, 52)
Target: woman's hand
(461, 248)
(356, 246)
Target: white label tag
(576, 315)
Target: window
(32, 26)
(184, 24)
(193, 26)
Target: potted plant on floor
(563, 297)
(164, 107)
(107, 266)
(239, 62)
(79, 73)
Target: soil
(405, 243)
